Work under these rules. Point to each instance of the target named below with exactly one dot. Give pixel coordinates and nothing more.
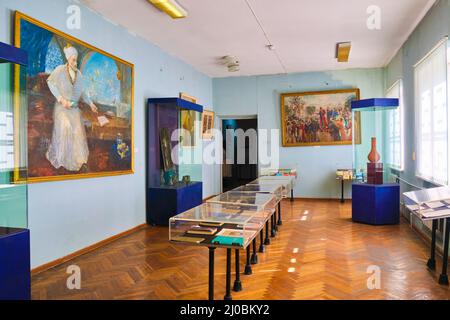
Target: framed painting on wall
(207, 124)
(80, 106)
(187, 119)
(319, 118)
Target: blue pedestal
(165, 202)
(15, 264)
(376, 204)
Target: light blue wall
(70, 215)
(260, 95)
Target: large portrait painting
(80, 106)
(319, 118)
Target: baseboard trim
(83, 251)
(210, 197)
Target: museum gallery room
(224, 150)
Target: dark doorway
(235, 175)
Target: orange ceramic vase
(373, 155)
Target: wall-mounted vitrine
(376, 200)
(14, 235)
(174, 158)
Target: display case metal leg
(280, 222)
(273, 233)
(292, 195)
(254, 255)
(237, 282)
(267, 240)
(211, 274)
(443, 278)
(261, 241)
(275, 219)
(342, 191)
(248, 268)
(432, 261)
(228, 277)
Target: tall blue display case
(14, 233)
(174, 158)
(375, 197)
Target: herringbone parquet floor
(318, 254)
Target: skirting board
(88, 249)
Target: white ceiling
(304, 32)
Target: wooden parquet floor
(318, 254)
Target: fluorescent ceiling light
(343, 51)
(170, 7)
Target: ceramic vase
(373, 155)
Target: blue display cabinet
(375, 196)
(14, 233)
(174, 158)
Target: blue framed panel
(376, 204)
(375, 104)
(11, 54)
(165, 202)
(15, 264)
(184, 104)
(15, 278)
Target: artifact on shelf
(186, 179)
(374, 167)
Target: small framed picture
(207, 124)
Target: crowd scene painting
(319, 118)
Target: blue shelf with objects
(375, 196)
(173, 158)
(14, 232)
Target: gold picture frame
(188, 97)
(319, 118)
(207, 124)
(125, 147)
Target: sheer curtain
(395, 135)
(431, 115)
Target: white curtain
(395, 135)
(431, 115)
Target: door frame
(220, 118)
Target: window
(430, 76)
(395, 128)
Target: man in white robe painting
(68, 147)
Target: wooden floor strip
(319, 253)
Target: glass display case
(174, 158)
(15, 282)
(429, 204)
(13, 144)
(218, 225)
(371, 150)
(275, 189)
(278, 172)
(174, 142)
(263, 201)
(285, 183)
(375, 198)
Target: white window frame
(399, 95)
(417, 99)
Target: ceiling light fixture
(170, 7)
(343, 51)
(231, 62)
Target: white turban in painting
(70, 51)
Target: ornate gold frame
(19, 16)
(283, 118)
